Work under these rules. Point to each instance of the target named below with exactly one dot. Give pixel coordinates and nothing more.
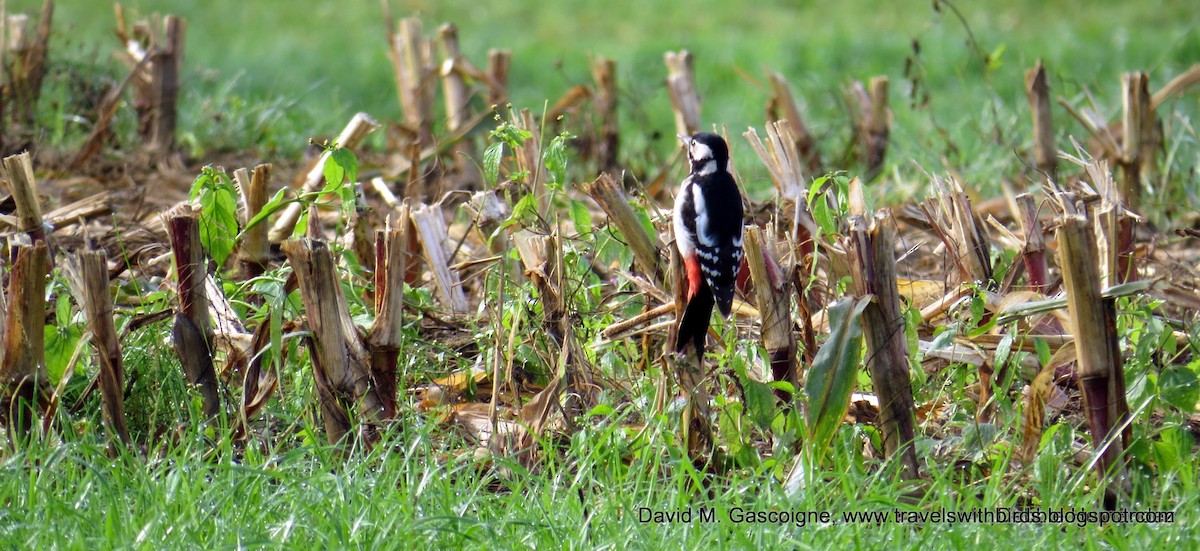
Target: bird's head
(707, 152)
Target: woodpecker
(708, 232)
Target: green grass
(260, 75)
(419, 488)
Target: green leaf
(555, 158)
(581, 217)
(1179, 386)
(62, 310)
(814, 189)
(218, 213)
(783, 386)
(1043, 351)
(1173, 448)
(334, 172)
(60, 343)
(201, 182)
(491, 162)
(995, 59)
(345, 159)
(527, 206)
(276, 203)
(301, 224)
(600, 410)
(760, 403)
(831, 378)
(729, 428)
(824, 217)
(1003, 349)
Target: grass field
(261, 78)
(277, 75)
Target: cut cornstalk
(873, 124)
(431, 230)
(604, 74)
(24, 380)
(166, 61)
(773, 291)
(498, 62)
(1093, 322)
(18, 172)
(1137, 139)
(1033, 253)
(608, 194)
(339, 358)
(872, 246)
(681, 84)
(255, 249)
(192, 333)
(542, 257)
(1037, 90)
(958, 226)
(412, 62)
(23, 56)
(457, 97)
(387, 334)
(361, 230)
(784, 109)
(88, 275)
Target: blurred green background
(269, 74)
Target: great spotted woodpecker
(708, 232)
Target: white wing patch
(702, 234)
(682, 240)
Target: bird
(708, 233)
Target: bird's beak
(684, 138)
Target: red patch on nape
(692, 267)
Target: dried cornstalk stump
(387, 335)
(1093, 322)
(611, 197)
(873, 124)
(192, 332)
(23, 376)
(158, 45)
(873, 267)
(430, 227)
(340, 360)
(254, 251)
(773, 291)
(457, 97)
(1037, 89)
(413, 63)
(18, 173)
(88, 274)
(604, 74)
(23, 54)
(542, 257)
(783, 109)
(498, 63)
(681, 83)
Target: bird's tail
(694, 325)
(724, 298)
